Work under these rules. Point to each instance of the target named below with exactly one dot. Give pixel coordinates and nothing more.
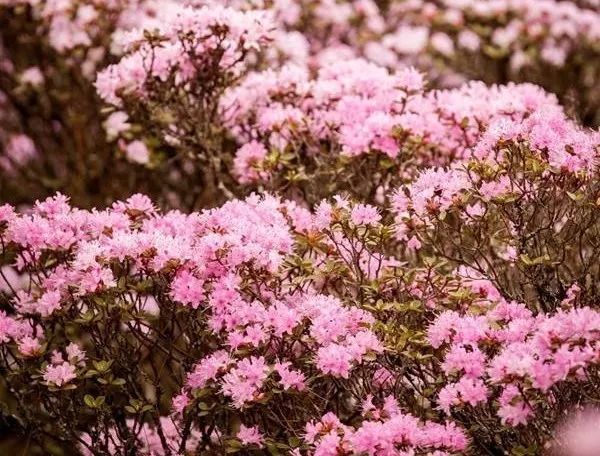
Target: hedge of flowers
(300, 228)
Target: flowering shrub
(549, 42)
(347, 248)
(357, 119)
(533, 185)
(518, 219)
(110, 299)
(171, 80)
(52, 101)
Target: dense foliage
(300, 228)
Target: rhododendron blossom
(304, 228)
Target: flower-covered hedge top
(221, 296)
(356, 118)
(271, 316)
(192, 40)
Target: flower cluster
(223, 289)
(513, 162)
(52, 136)
(294, 128)
(173, 75)
(347, 246)
(548, 42)
(85, 32)
(520, 357)
(186, 44)
(387, 432)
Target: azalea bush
(265, 326)
(549, 42)
(50, 52)
(299, 228)
(357, 127)
(131, 83)
(245, 326)
(517, 220)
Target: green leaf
(577, 196)
(273, 450)
(89, 401)
(203, 406)
(294, 442)
(102, 366)
(523, 451)
(233, 443)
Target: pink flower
(471, 362)
(554, 55)
(208, 369)
(137, 152)
(493, 189)
(414, 243)
(448, 398)
(247, 160)
(48, 303)
(188, 289)
(250, 436)
(75, 354)
(290, 378)
(335, 360)
(180, 402)
(471, 391)
(29, 346)
(513, 411)
(115, 124)
(442, 43)
(364, 214)
(59, 374)
(328, 445)
(11, 328)
(18, 152)
(32, 76)
(243, 382)
(469, 40)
